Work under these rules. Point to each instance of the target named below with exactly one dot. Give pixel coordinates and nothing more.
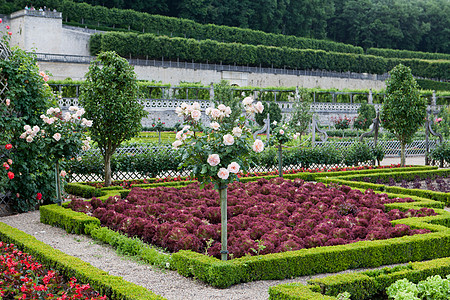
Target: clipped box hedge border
(361, 285)
(325, 259)
(348, 180)
(114, 287)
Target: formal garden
(221, 203)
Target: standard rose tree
(216, 152)
(282, 134)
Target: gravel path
(166, 283)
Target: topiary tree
(109, 97)
(403, 111)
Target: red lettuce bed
(263, 217)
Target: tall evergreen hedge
(155, 47)
(393, 53)
(177, 27)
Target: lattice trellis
(5, 53)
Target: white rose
(237, 132)
(213, 160)
(196, 114)
(247, 101)
(67, 116)
(259, 107)
(196, 106)
(27, 127)
(223, 174)
(29, 139)
(177, 144)
(214, 125)
(228, 139)
(221, 107)
(258, 146)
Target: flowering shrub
(61, 135)
(222, 150)
(277, 215)
(26, 97)
(22, 277)
(342, 122)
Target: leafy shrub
(366, 113)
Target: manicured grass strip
(112, 286)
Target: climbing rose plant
(218, 151)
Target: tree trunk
(402, 154)
(223, 213)
(280, 161)
(58, 184)
(107, 169)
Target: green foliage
(441, 152)
(426, 84)
(156, 47)
(223, 94)
(109, 96)
(271, 108)
(358, 152)
(403, 111)
(366, 114)
(301, 114)
(392, 53)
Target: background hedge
(393, 53)
(155, 47)
(178, 27)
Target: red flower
(38, 196)
(5, 165)
(10, 175)
(8, 146)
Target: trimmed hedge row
(82, 189)
(426, 84)
(361, 285)
(349, 180)
(326, 259)
(393, 53)
(112, 286)
(144, 22)
(155, 47)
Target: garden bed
(267, 216)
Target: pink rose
(196, 114)
(213, 160)
(259, 107)
(29, 139)
(57, 136)
(223, 174)
(228, 139)
(222, 107)
(63, 173)
(6, 166)
(233, 167)
(10, 161)
(258, 146)
(281, 131)
(8, 102)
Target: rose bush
(218, 151)
(26, 97)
